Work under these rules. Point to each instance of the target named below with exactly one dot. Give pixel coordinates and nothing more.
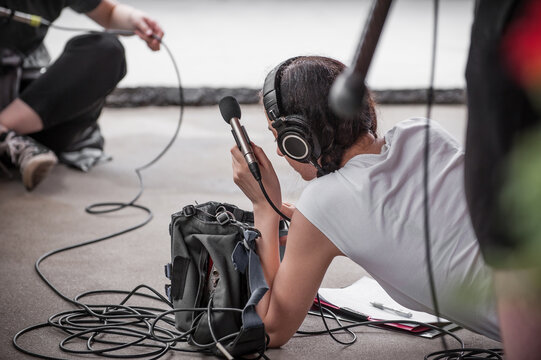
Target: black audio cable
(38, 21)
(92, 322)
(426, 157)
(462, 352)
(286, 218)
(118, 319)
(138, 324)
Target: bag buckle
(241, 253)
(249, 238)
(188, 210)
(168, 292)
(168, 270)
(223, 218)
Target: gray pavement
(197, 168)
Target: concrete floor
(197, 168)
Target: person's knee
(105, 51)
(110, 48)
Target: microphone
(347, 93)
(32, 20)
(37, 21)
(230, 109)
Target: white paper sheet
(360, 294)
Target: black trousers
(70, 95)
(498, 111)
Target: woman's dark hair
(304, 87)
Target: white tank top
(372, 210)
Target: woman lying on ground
(365, 201)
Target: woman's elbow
(278, 338)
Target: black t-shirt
(25, 38)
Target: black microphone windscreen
(230, 108)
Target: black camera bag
(214, 265)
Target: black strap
(252, 332)
(245, 258)
(179, 275)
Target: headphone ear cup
(294, 139)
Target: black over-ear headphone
(295, 140)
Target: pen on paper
(396, 311)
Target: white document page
(360, 294)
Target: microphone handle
(370, 37)
(29, 19)
(348, 91)
(243, 143)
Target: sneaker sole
(37, 169)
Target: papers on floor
(359, 295)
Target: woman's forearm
(267, 222)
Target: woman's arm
(293, 283)
(113, 15)
(307, 257)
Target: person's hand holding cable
(47, 116)
(147, 29)
(113, 15)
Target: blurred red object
(521, 47)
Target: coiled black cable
(93, 322)
(137, 324)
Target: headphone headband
(272, 99)
(294, 136)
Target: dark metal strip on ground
(168, 96)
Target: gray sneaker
(33, 159)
